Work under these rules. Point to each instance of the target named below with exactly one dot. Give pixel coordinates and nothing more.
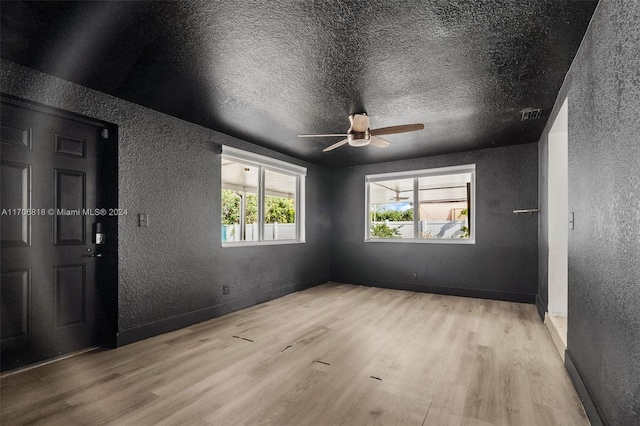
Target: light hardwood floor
(332, 354)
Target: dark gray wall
(171, 273)
(603, 87)
(503, 262)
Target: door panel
(16, 136)
(15, 194)
(15, 294)
(69, 203)
(67, 145)
(50, 167)
(70, 295)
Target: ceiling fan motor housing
(359, 138)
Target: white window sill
(421, 240)
(261, 243)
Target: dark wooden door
(48, 200)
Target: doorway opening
(558, 238)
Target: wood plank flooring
(332, 354)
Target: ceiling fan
(359, 133)
(397, 191)
(398, 197)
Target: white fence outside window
(272, 231)
(440, 229)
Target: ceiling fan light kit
(359, 133)
(359, 139)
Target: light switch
(571, 221)
(143, 220)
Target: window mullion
(301, 208)
(416, 209)
(261, 204)
(297, 201)
(367, 213)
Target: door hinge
(105, 133)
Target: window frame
(416, 175)
(264, 163)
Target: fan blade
(397, 129)
(359, 122)
(323, 136)
(379, 142)
(336, 145)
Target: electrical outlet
(225, 289)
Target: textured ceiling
(267, 71)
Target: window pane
(280, 206)
(444, 204)
(391, 209)
(239, 201)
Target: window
(262, 199)
(431, 206)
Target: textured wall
(502, 263)
(603, 87)
(604, 193)
(169, 169)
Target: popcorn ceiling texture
(266, 71)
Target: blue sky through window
(395, 206)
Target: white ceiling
(244, 177)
